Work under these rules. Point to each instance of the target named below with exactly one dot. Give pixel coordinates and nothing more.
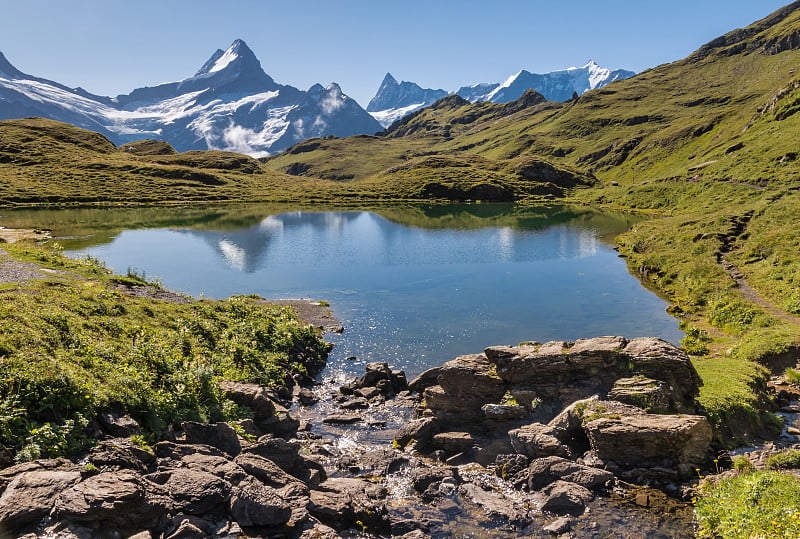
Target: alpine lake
(413, 286)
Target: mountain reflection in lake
(412, 286)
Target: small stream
(346, 450)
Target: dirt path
(751, 295)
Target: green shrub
(743, 464)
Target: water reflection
(413, 286)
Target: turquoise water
(413, 287)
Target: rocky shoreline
(514, 441)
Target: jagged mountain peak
(8, 70)
(389, 79)
(237, 57)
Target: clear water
(413, 286)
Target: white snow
(224, 60)
(389, 116)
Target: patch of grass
(74, 346)
(756, 504)
(789, 458)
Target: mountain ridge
(230, 103)
(394, 100)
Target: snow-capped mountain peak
(400, 98)
(391, 103)
(238, 52)
(229, 104)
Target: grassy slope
(72, 344)
(46, 162)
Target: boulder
(198, 457)
(453, 442)
(503, 412)
(264, 470)
(534, 363)
(651, 395)
(425, 380)
(425, 477)
(30, 495)
(219, 435)
(119, 425)
(344, 502)
(495, 504)
(659, 360)
(538, 440)
(375, 372)
(421, 430)
(286, 455)
(649, 439)
(193, 492)
(253, 396)
(465, 385)
(119, 499)
(253, 503)
(562, 498)
(541, 472)
(559, 526)
(121, 453)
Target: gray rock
(651, 395)
(542, 472)
(564, 498)
(121, 453)
(254, 396)
(369, 392)
(193, 492)
(356, 403)
(649, 439)
(286, 455)
(421, 430)
(465, 385)
(503, 412)
(423, 477)
(307, 397)
(375, 372)
(119, 425)
(657, 359)
(558, 526)
(342, 502)
(453, 442)
(425, 380)
(495, 504)
(343, 419)
(219, 435)
(264, 470)
(253, 503)
(187, 530)
(30, 495)
(119, 499)
(538, 440)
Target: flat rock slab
(647, 439)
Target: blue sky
(111, 47)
